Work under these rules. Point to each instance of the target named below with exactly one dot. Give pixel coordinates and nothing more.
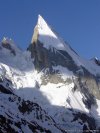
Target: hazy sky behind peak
(76, 21)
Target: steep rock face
(47, 58)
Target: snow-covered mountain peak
(40, 25)
(49, 87)
(6, 40)
(9, 44)
(46, 36)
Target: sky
(76, 21)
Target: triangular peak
(46, 35)
(40, 17)
(41, 24)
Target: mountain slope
(18, 115)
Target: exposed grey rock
(8, 46)
(44, 58)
